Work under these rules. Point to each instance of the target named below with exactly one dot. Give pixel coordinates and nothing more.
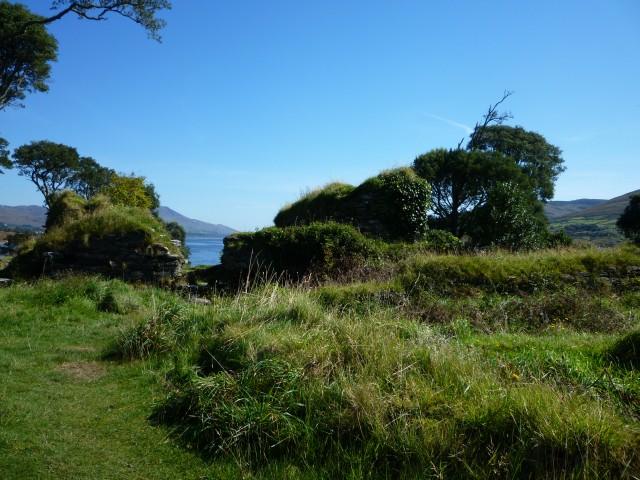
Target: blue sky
(246, 104)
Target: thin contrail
(453, 123)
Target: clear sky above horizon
(245, 104)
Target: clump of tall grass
(168, 325)
(570, 307)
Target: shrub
(392, 206)
(626, 351)
(322, 249)
(559, 239)
(509, 219)
(629, 221)
(441, 241)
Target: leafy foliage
(25, 54)
(89, 178)
(540, 161)
(460, 183)
(509, 219)
(323, 249)
(5, 161)
(629, 221)
(131, 191)
(142, 12)
(176, 231)
(559, 238)
(441, 241)
(402, 200)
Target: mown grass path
(67, 414)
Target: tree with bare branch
(142, 12)
(27, 49)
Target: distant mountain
(560, 208)
(596, 223)
(192, 226)
(33, 217)
(24, 216)
(611, 209)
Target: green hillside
(560, 208)
(597, 223)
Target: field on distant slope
(596, 223)
(492, 366)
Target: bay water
(205, 249)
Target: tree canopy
(538, 159)
(493, 188)
(25, 53)
(460, 182)
(629, 221)
(48, 165)
(89, 178)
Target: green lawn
(67, 414)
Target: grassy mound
(392, 205)
(78, 229)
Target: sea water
(205, 249)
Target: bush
(559, 239)
(322, 249)
(441, 241)
(629, 221)
(392, 206)
(626, 351)
(511, 218)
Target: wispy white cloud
(453, 123)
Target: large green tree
(471, 186)
(629, 221)
(25, 53)
(537, 158)
(460, 183)
(49, 165)
(27, 49)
